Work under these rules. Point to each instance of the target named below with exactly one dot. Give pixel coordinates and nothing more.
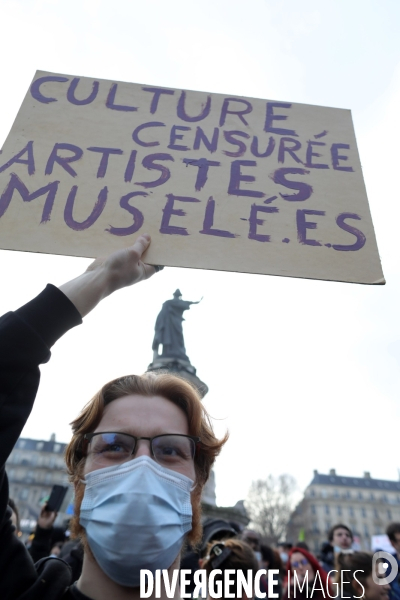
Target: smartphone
(57, 496)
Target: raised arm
(106, 275)
(27, 335)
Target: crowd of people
(286, 571)
(141, 451)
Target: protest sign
(219, 181)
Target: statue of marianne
(168, 328)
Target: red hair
(315, 565)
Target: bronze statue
(168, 328)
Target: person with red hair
(307, 576)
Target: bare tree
(269, 504)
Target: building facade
(33, 467)
(364, 504)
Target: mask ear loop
(82, 449)
(195, 483)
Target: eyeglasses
(300, 563)
(171, 450)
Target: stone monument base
(183, 368)
(229, 513)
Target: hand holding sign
(106, 275)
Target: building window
(339, 510)
(327, 511)
(366, 532)
(39, 445)
(351, 511)
(372, 497)
(360, 496)
(312, 493)
(324, 493)
(336, 494)
(363, 512)
(57, 447)
(16, 458)
(376, 514)
(328, 525)
(24, 494)
(389, 514)
(313, 509)
(384, 498)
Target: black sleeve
(26, 336)
(41, 543)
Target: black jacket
(26, 337)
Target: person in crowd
(302, 545)
(213, 530)
(141, 451)
(393, 533)
(56, 549)
(340, 539)
(326, 556)
(358, 580)
(238, 528)
(72, 554)
(252, 538)
(42, 541)
(270, 559)
(279, 564)
(232, 554)
(284, 549)
(306, 575)
(14, 516)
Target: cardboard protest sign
(220, 182)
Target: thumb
(140, 245)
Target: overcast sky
(304, 374)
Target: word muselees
(234, 585)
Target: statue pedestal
(235, 513)
(180, 367)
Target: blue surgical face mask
(284, 557)
(135, 516)
(339, 550)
